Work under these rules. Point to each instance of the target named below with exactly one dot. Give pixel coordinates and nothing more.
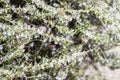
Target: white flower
(55, 5)
(8, 16)
(42, 67)
(11, 33)
(89, 34)
(1, 47)
(24, 10)
(0, 25)
(84, 3)
(51, 65)
(59, 78)
(62, 61)
(39, 75)
(32, 44)
(42, 30)
(61, 75)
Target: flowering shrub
(56, 39)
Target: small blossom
(61, 75)
(1, 47)
(32, 44)
(88, 33)
(0, 25)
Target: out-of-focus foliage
(57, 39)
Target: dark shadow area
(5, 21)
(18, 3)
(94, 20)
(54, 3)
(15, 16)
(2, 4)
(37, 48)
(71, 24)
